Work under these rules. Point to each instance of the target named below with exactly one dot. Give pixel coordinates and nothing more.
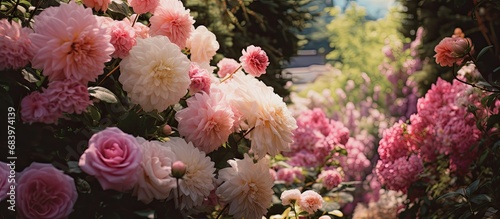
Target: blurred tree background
(273, 25)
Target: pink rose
(227, 66)
(452, 50)
(45, 192)
(98, 5)
(310, 201)
(254, 61)
(4, 184)
(290, 196)
(113, 157)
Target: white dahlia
(199, 179)
(154, 181)
(262, 110)
(155, 75)
(246, 187)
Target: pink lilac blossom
(227, 66)
(310, 201)
(355, 163)
(330, 178)
(144, 6)
(98, 5)
(304, 158)
(394, 143)
(68, 96)
(36, 107)
(200, 79)
(207, 121)
(171, 19)
(15, 45)
(5, 171)
(122, 37)
(44, 192)
(69, 43)
(113, 157)
(254, 60)
(400, 173)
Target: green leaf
(119, 8)
(103, 94)
(449, 195)
(73, 167)
(496, 69)
(480, 199)
(472, 188)
(483, 51)
(492, 121)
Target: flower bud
(178, 169)
(167, 130)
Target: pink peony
(98, 5)
(207, 121)
(202, 44)
(290, 196)
(68, 96)
(4, 183)
(171, 19)
(36, 107)
(45, 192)
(200, 79)
(113, 157)
(122, 38)
(310, 201)
(144, 6)
(227, 66)
(69, 43)
(254, 61)
(15, 45)
(330, 178)
(452, 50)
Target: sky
(374, 8)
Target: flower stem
(111, 72)
(179, 198)
(221, 211)
(230, 75)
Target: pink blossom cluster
(316, 135)
(330, 178)
(400, 173)
(356, 162)
(290, 175)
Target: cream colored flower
(155, 74)
(246, 187)
(202, 44)
(199, 179)
(262, 110)
(154, 181)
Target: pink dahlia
(37, 107)
(200, 79)
(69, 43)
(207, 121)
(171, 19)
(15, 45)
(122, 37)
(254, 61)
(227, 66)
(144, 6)
(68, 96)
(98, 5)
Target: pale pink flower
(113, 157)
(254, 61)
(68, 96)
(15, 45)
(141, 30)
(200, 79)
(155, 180)
(144, 6)
(98, 5)
(207, 121)
(44, 192)
(69, 43)
(310, 201)
(122, 37)
(36, 107)
(202, 44)
(290, 196)
(330, 178)
(227, 66)
(452, 50)
(246, 187)
(155, 73)
(4, 180)
(171, 19)
(199, 179)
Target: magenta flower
(254, 61)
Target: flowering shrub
(127, 117)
